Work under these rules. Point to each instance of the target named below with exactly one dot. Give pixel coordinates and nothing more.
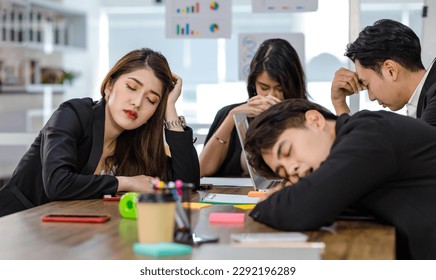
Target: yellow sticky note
(195, 205)
(245, 206)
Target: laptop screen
(260, 183)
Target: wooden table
(24, 236)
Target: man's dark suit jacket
(380, 161)
(61, 162)
(426, 109)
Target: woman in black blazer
(88, 149)
(380, 162)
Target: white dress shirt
(412, 105)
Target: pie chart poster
(198, 19)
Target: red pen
(108, 197)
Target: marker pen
(179, 207)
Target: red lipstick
(131, 114)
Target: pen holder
(181, 192)
(156, 216)
(127, 205)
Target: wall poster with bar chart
(198, 19)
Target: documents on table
(219, 198)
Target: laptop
(260, 183)
(226, 182)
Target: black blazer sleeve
(428, 113)
(183, 164)
(66, 144)
(427, 100)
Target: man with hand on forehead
(387, 57)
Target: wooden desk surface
(24, 236)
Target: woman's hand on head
(177, 90)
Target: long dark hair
(141, 151)
(280, 60)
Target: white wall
(428, 33)
(87, 63)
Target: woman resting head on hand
(91, 148)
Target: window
(408, 12)
(209, 66)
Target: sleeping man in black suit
(378, 161)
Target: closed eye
(281, 171)
(363, 84)
(130, 87)
(153, 97)
(151, 101)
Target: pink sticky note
(227, 218)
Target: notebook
(260, 183)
